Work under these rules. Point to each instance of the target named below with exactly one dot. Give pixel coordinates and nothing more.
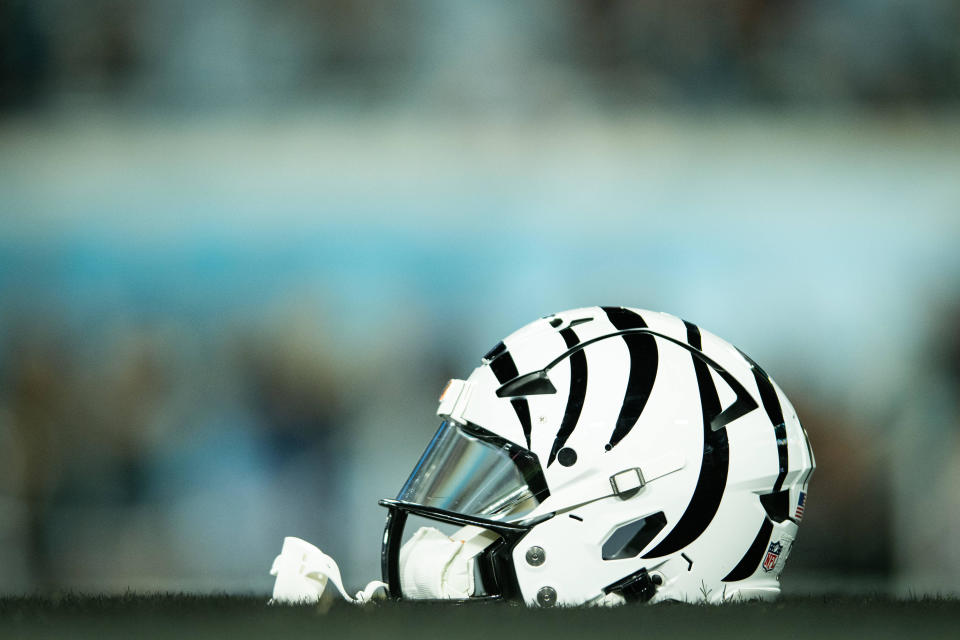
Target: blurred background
(244, 244)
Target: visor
(472, 472)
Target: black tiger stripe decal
(771, 404)
(505, 369)
(644, 363)
(776, 502)
(714, 465)
(754, 555)
(575, 398)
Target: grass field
(172, 615)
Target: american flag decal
(799, 513)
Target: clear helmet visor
(471, 471)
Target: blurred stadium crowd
(244, 244)
(609, 52)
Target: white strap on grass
(303, 571)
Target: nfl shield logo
(773, 553)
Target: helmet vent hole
(627, 541)
(567, 457)
(777, 505)
(497, 350)
(536, 383)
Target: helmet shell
(658, 437)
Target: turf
(178, 615)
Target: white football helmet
(604, 455)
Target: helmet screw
(547, 596)
(536, 556)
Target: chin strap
(302, 572)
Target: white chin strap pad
(303, 571)
(436, 566)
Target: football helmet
(604, 455)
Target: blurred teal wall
(244, 245)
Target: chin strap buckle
(639, 586)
